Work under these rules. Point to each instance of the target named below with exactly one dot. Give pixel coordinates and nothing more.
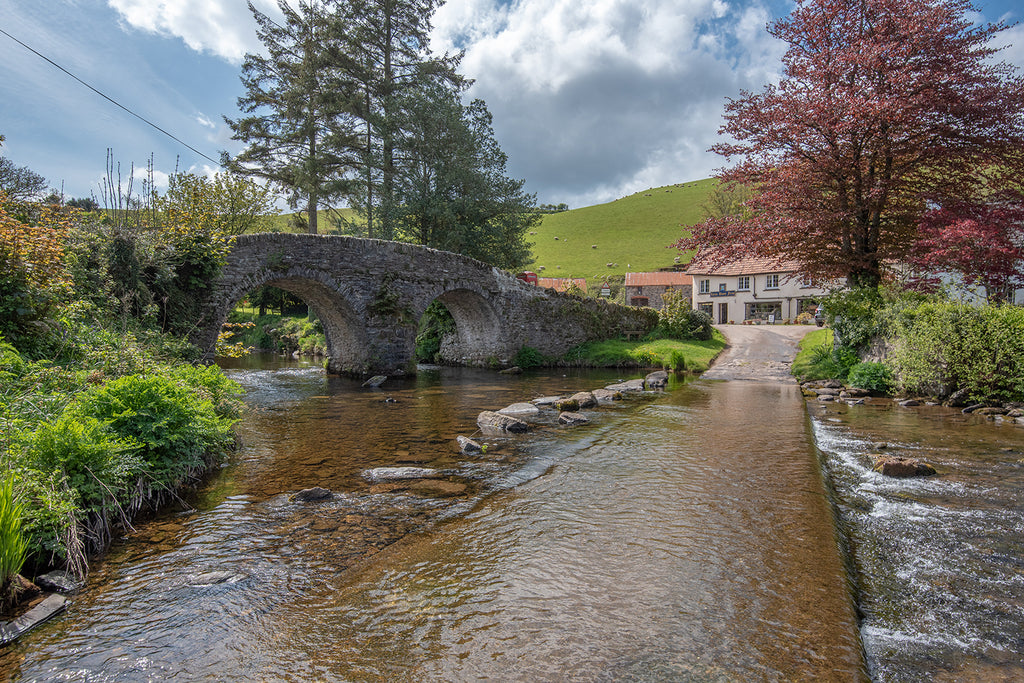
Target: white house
(752, 289)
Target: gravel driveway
(758, 353)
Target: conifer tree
(298, 124)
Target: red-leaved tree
(885, 110)
(984, 244)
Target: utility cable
(110, 99)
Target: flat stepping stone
(570, 418)
(520, 410)
(51, 605)
(628, 385)
(496, 422)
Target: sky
(592, 99)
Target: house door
(723, 313)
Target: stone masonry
(371, 294)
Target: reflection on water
(682, 536)
(940, 560)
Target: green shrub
(678, 320)
(95, 463)
(528, 357)
(875, 377)
(174, 426)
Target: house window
(771, 281)
(743, 282)
(707, 308)
(705, 286)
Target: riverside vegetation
(889, 340)
(100, 418)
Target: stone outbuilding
(648, 289)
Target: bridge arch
(348, 348)
(480, 332)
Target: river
(684, 535)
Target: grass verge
(674, 354)
(808, 362)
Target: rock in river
(496, 422)
(585, 399)
(571, 418)
(399, 473)
(896, 466)
(468, 446)
(656, 380)
(311, 495)
(520, 410)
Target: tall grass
(13, 545)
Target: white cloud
(596, 100)
(205, 121)
(224, 28)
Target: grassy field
(632, 233)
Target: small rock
(572, 418)
(895, 466)
(59, 582)
(604, 395)
(520, 410)
(399, 473)
(880, 446)
(375, 381)
(468, 446)
(826, 398)
(311, 495)
(908, 402)
(490, 420)
(585, 399)
(546, 400)
(213, 578)
(567, 404)
(854, 392)
(971, 408)
(828, 391)
(514, 370)
(854, 401)
(958, 399)
(992, 410)
(628, 385)
(656, 380)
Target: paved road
(758, 353)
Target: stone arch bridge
(370, 295)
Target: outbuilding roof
(561, 283)
(663, 278)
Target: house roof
(561, 283)
(658, 279)
(743, 266)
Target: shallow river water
(681, 536)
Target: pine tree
(299, 103)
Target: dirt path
(758, 353)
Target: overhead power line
(109, 99)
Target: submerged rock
(399, 473)
(375, 381)
(896, 466)
(514, 370)
(492, 421)
(546, 400)
(572, 418)
(908, 402)
(312, 495)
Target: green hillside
(632, 233)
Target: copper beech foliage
(886, 110)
